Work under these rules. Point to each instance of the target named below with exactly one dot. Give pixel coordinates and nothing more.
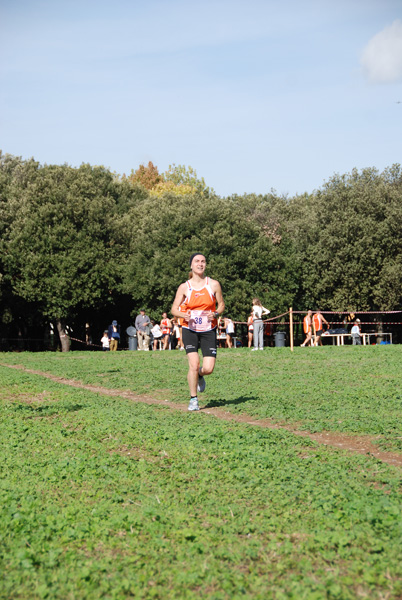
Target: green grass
(344, 389)
(105, 498)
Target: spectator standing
(250, 330)
(105, 341)
(156, 333)
(166, 326)
(258, 311)
(113, 335)
(175, 339)
(308, 329)
(318, 327)
(143, 327)
(356, 333)
(229, 327)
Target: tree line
(86, 245)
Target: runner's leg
(208, 365)
(192, 375)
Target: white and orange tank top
(165, 326)
(317, 320)
(307, 324)
(200, 303)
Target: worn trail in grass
(346, 389)
(104, 498)
(352, 443)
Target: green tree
(249, 257)
(61, 247)
(348, 239)
(181, 175)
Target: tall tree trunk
(64, 339)
(379, 329)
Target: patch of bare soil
(362, 444)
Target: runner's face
(198, 265)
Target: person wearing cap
(198, 302)
(113, 335)
(143, 327)
(356, 333)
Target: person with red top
(203, 303)
(308, 329)
(250, 329)
(166, 327)
(318, 320)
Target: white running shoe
(193, 404)
(201, 385)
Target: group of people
(313, 327)
(165, 335)
(197, 310)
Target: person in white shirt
(105, 341)
(229, 325)
(356, 334)
(258, 311)
(156, 334)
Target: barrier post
(291, 327)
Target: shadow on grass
(217, 403)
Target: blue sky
(252, 94)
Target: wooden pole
(291, 327)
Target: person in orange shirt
(166, 327)
(318, 327)
(308, 329)
(203, 302)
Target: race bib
(198, 321)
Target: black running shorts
(206, 340)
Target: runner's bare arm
(216, 288)
(180, 296)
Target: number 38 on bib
(199, 321)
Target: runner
(199, 295)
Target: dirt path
(360, 444)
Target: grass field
(106, 498)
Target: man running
(195, 303)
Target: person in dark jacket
(114, 335)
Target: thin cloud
(382, 57)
